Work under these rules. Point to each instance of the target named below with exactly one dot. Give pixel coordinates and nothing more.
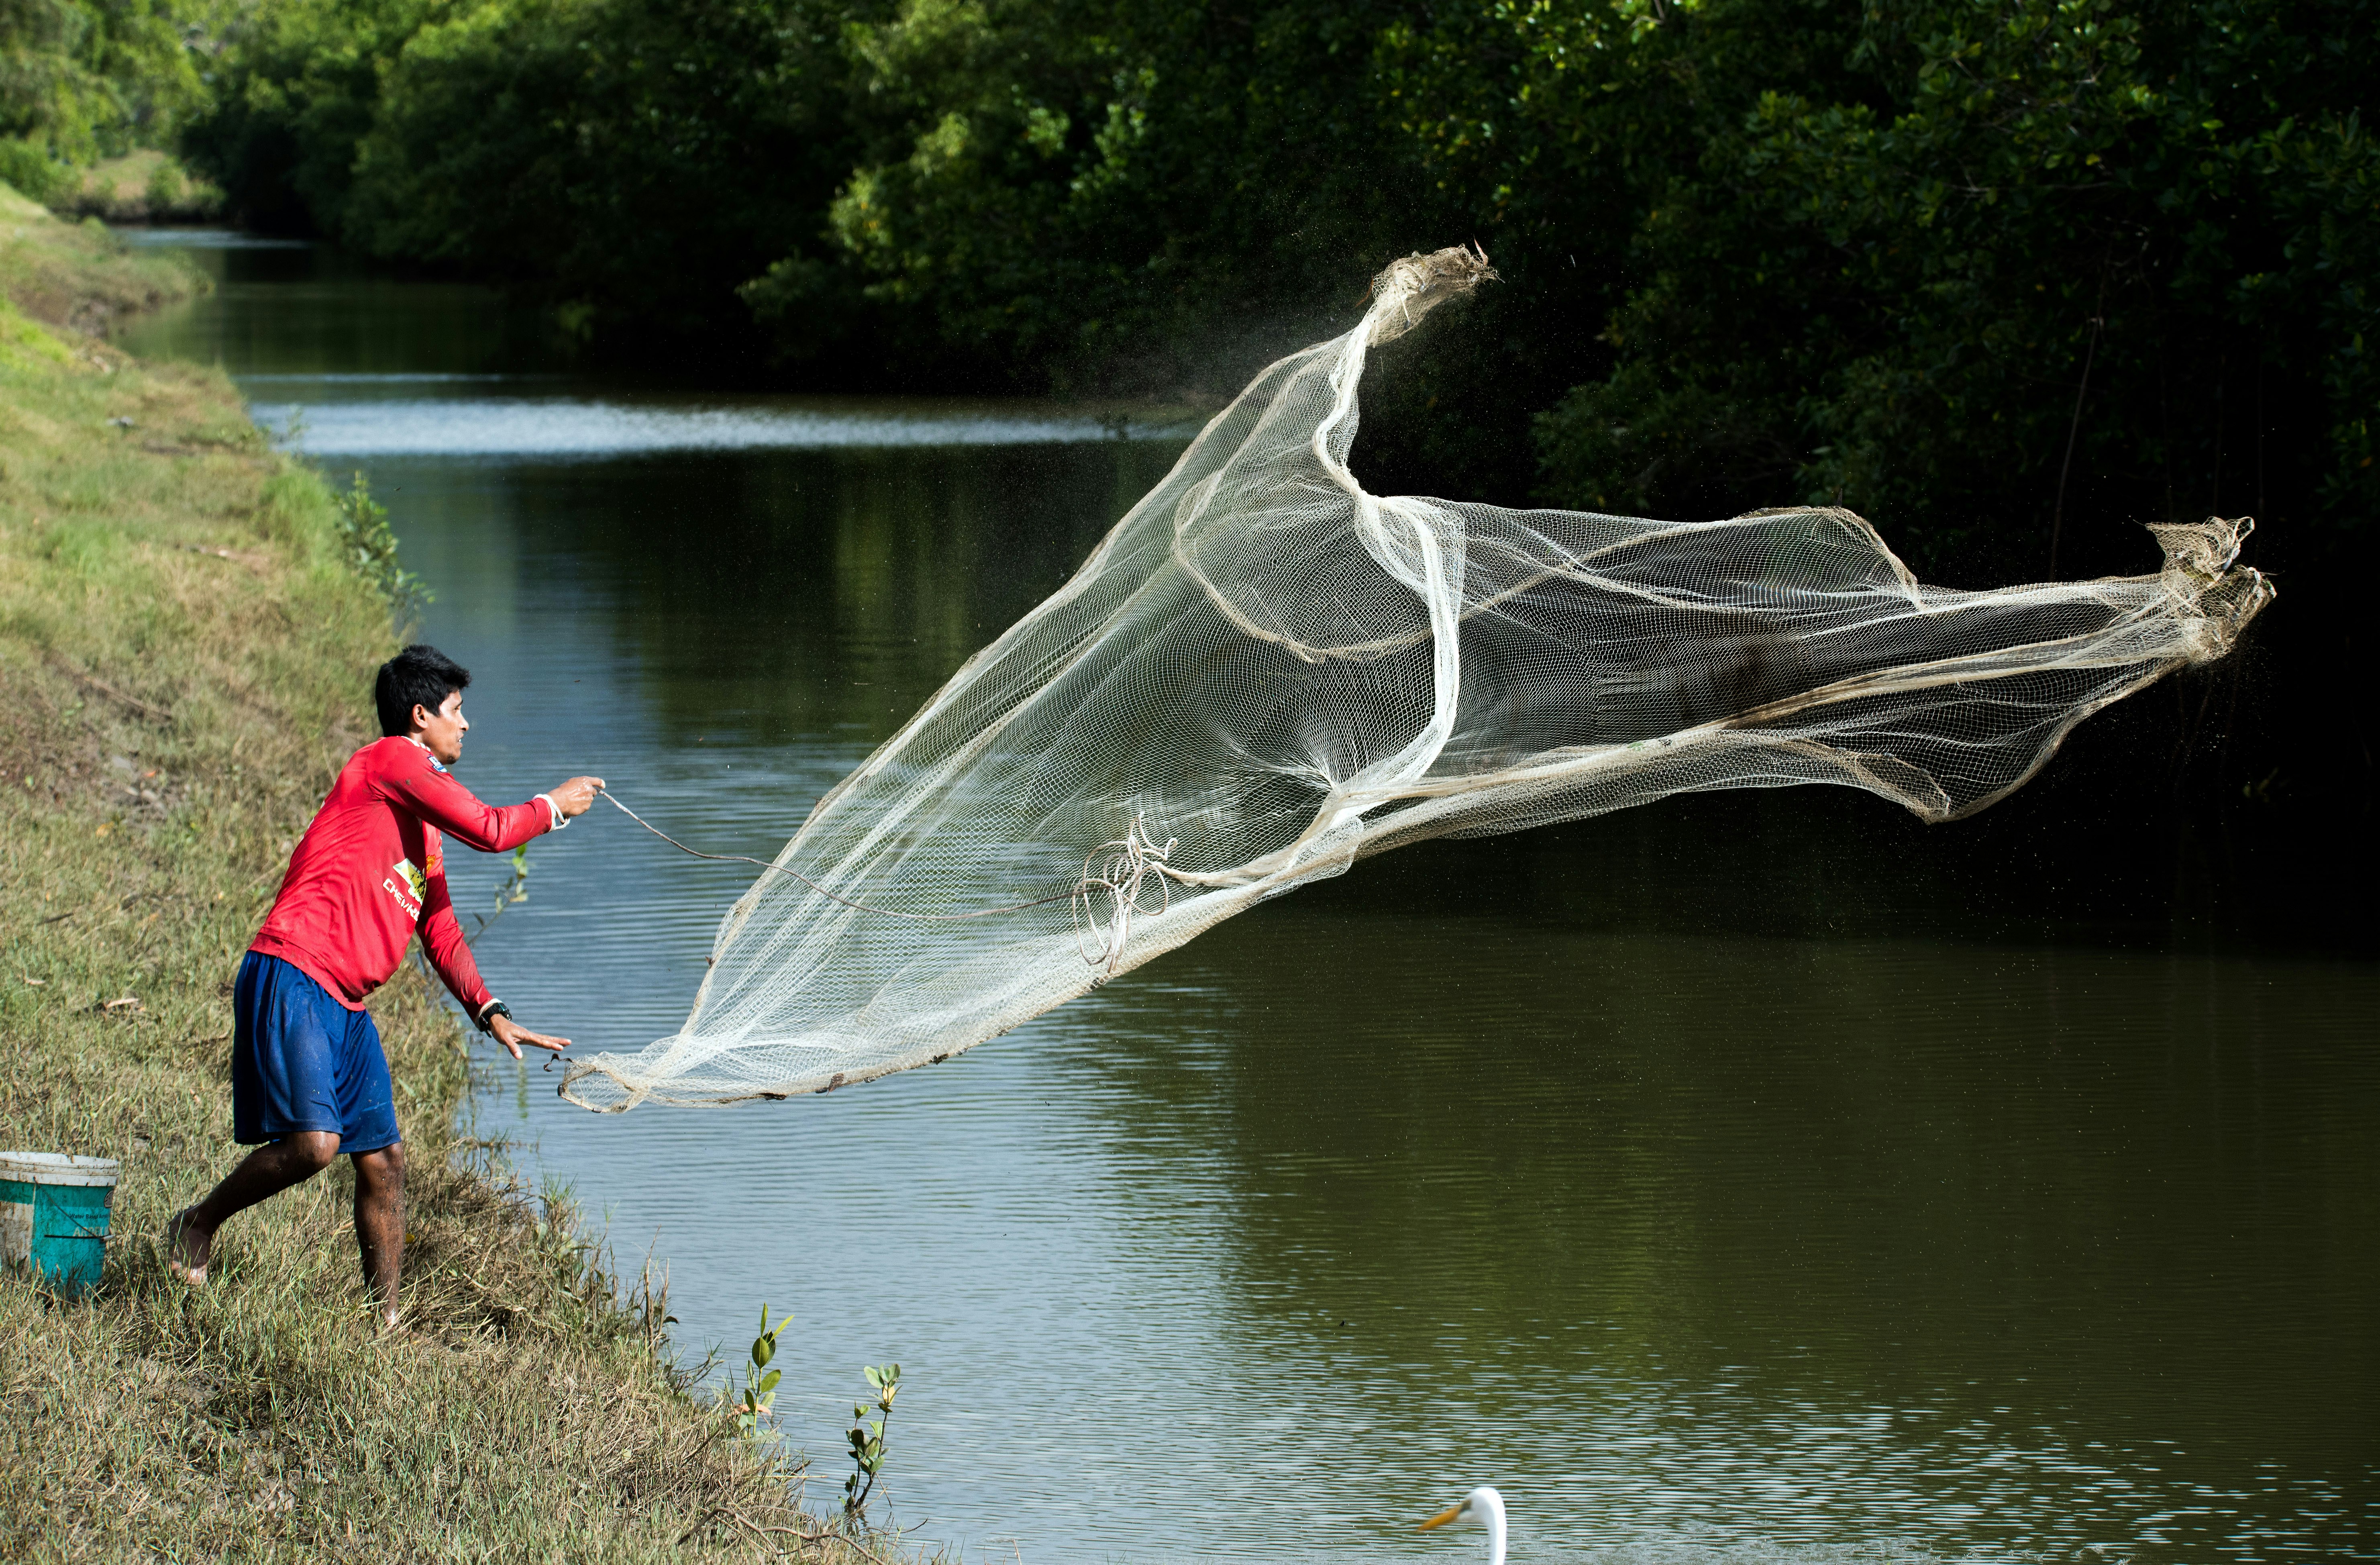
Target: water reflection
(1794, 1238)
(1762, 1176)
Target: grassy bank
(185, 653)
(77, 278)
(146, 185)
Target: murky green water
(1765, 1175)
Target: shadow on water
(1762, 1176)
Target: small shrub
(371, 550)
(511, 892)
(37, 175)
(760, 1381)
(866, 1437)
(167, 189)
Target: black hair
(418, 677)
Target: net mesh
(1265, 672)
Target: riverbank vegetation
(81, 81)
(143, 185)
(2000, 271)
(80, 277)
(186, 644)
(1996, 269)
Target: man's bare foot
(188, 1247)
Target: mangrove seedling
(371, 547)
(759, 1388)
(866, 1437)
(511, 892)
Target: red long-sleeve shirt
(368, 871)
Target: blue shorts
(301, 1060)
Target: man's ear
(421, 716)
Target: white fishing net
(1265, 672)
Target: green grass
(186, 657)
(79, 276)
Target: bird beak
(1443, 1518)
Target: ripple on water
(458, 426)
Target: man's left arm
(450, 953)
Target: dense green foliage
(1999, 265)
(2003, 271)
(633, 162)
(82, 80)
(1097, 186)
(1981, 266)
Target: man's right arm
(437, 798)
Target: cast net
(1265, 672)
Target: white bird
(1483, 1507)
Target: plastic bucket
(53, 1216)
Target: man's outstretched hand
(576, 797)
(512, 1035)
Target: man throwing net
(309, 1077)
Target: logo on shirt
(408, 886)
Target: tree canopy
(1998, 269)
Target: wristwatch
(490, 1011)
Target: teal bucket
(53, 1216)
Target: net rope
(1277, 673)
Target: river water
(1762, 1176)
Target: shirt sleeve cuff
(560, 820)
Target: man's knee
(384, 1167)
(312, 1149)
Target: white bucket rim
(57, 1168)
